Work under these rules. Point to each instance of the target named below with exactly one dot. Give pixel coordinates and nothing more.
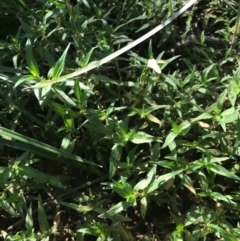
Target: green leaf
(142, 137)
(37, 147)
(222, 171)
(152, 63)
(234, 89)
(226, 235)
(220, 101)
(124, 189)
(155, 152)
(187, 182)
(42, 217)
(203, 116)
(33, 173)
(95, 230)
(63, 97)
(60, 109)
(27, 78)
(229, 116)
(85, 62)
(143, 206)
(29, 219)
(170, 137)
(184, 127)
(77, 90)
(8, 208)
(154, 119)
(162, 179)
(144, 183)
(31, 62)
(58, 68)
(114, 160)
(68, 122)
(218, 196)
(78, 208)
(121, 206)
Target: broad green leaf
(58, 68)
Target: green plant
(137, 145)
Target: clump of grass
(143, 147)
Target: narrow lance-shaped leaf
(171, 136)
(143, 206)
(222, 171)
(85, 61)
(42, 217)
(58, 68)
(35, 146)
(31, 62)
(162, 179)
(114, 160)
(29, 219)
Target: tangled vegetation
(143, 147)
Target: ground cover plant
(143, 147)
